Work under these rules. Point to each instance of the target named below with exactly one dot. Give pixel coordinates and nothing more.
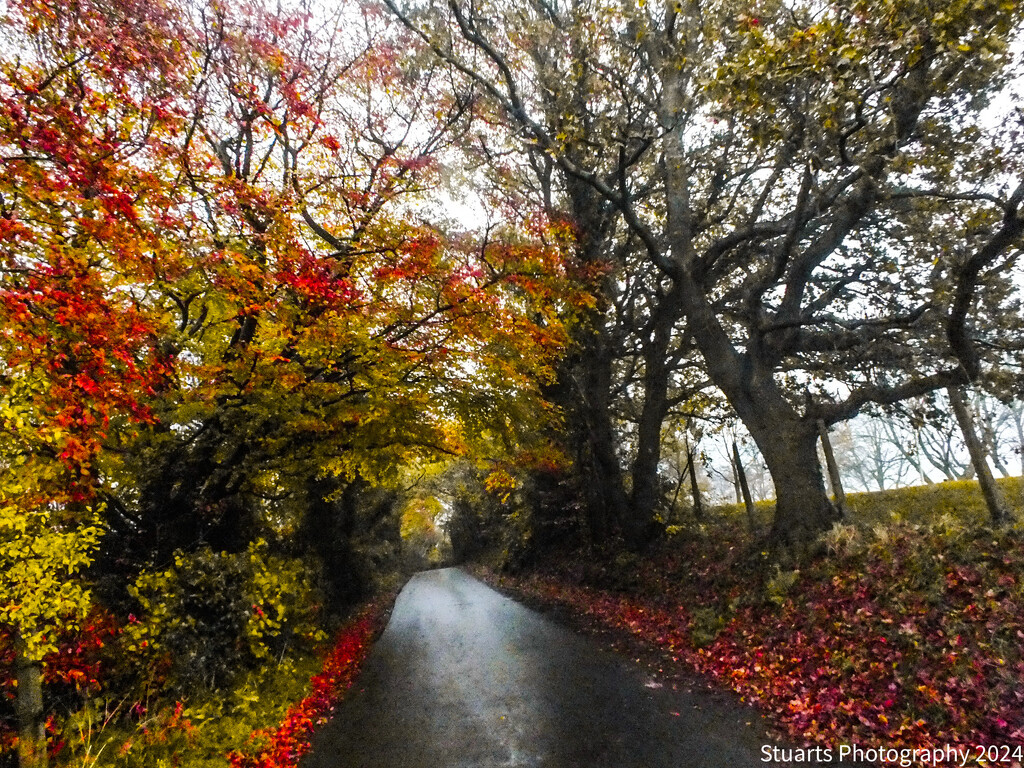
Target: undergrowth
(265, 719)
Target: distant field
(960, 499)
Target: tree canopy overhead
(267, 267)
(829, 214)
(210, 213)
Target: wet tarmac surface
(464, 677)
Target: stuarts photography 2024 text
(945, 755)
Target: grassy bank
(921, 504)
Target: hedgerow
(283, 745)
(265, 721)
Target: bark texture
(993, 498)
(29, 707)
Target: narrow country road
(463, 676)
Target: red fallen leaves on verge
(284, 745)
(914, 641)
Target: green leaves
(212, 615)
(41, 564)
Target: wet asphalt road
(464, 677)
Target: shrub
(264, 720)
(213, 614)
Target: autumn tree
(79, 358)
(319, 324)
(225, 298)
(626, 365)
(791, 171)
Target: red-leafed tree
(81, 121)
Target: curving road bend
(464, 677)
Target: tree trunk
(802, 507)
(29, 707)
(741, 481)
(989, 443)
(833, 470)
(584, 386)
(601, 473)
(698, 506)
(646, 485)
(993, 498)
(787, 442)
(1017, 417)
(735, 472)
(916, 462)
